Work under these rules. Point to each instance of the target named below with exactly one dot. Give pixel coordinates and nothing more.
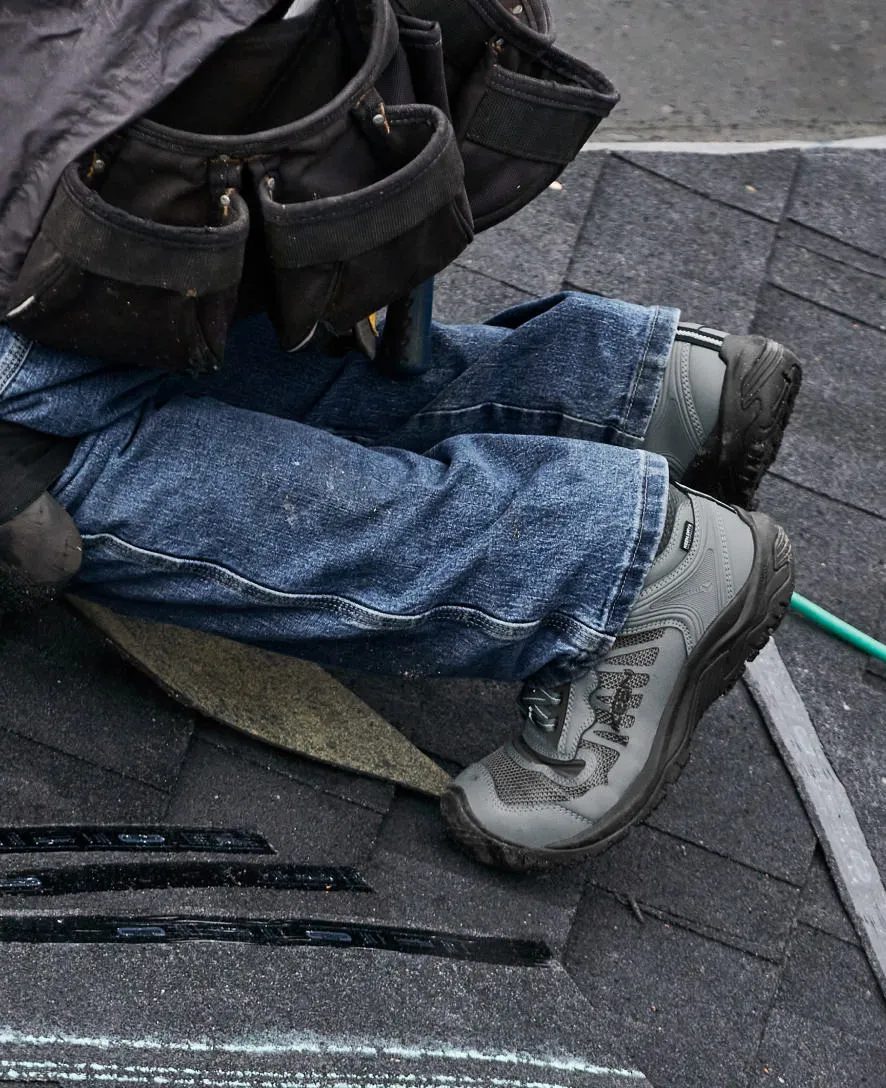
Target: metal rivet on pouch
(224, 200)
(98, 165)
(378, 119)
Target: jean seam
(605, 427)
(13, 360)
(639, 376)
(373, 619)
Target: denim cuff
(643, 392)
(649, 517)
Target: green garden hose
(835, 626)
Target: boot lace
(540, 706)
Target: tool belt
(317, 168)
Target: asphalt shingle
(532, 249)
(757, 183)
(828, 980)
(371, 792)
(277, 1009)
(837, 442)
(700, 890)
(63, 686)
(415, 860)
(736, 798)
(841, 193)
(798, 1053)
(840, 563)
(305, 825)
(838, 285)
(464, 297)
(39, 785)
(650, 241)
(820, 906)
(691, 1007)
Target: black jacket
(73, 71)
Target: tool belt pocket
(337, 258)
(417, 73)
(100, 281)
(519, 128)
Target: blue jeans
(492, 517)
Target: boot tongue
(676, 537)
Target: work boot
(40, 551)
(594, 756)
(722, 410)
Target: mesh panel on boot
(616, 738)
(637, 639)
(605, 757)
(644, 658)
(611, 680)
(517, 785)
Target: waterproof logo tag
(688, 536)
(35, 840)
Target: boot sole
(712, 669)
(761, 384)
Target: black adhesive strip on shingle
(852, 867)
(58, 838)
(200, 874)
(314, 932)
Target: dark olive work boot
(596, 755)
(40, 551)
(722, 410)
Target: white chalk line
(270, 1075)
(23, 1069)
(302, 1045)
(737, 147)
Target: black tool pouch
(363, 199)
(338, 258)
(522, 109)
(353, 198)
(309, 168)
(101, 281)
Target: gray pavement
(735, 69)
(708, 949)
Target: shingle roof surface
(745, 970)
